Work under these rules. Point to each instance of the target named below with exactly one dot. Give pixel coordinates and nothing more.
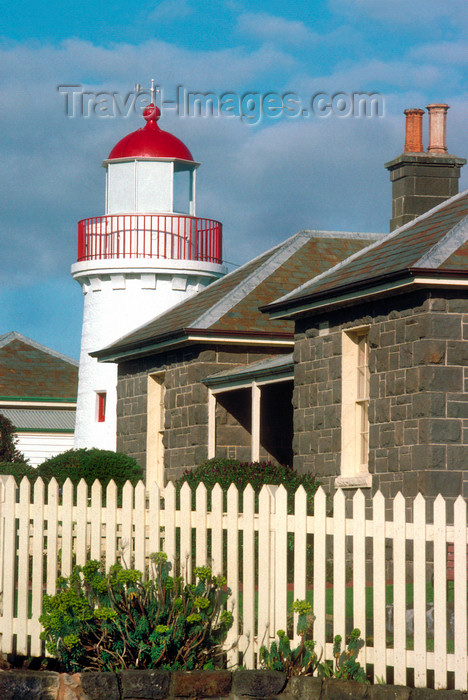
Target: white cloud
(266, 27)
(169, 10)
(376, 75)
(401, 12)
(445, 52)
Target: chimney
(437, 128)
(414, 126)
(422, 180)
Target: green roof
(29, 369)
(230, 306)
(436, 241)
(48, 420)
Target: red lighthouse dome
(151, 141)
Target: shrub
(118, 621)
(8, 451)
(19, 470)
(231, 471)
(303, 660)
(91, 464)
(346, 666)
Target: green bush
(19, 470)
(118, 621)
(91, 464)
(346, 666)
(8, 451)
(231, 471)
(303, 660)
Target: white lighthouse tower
(148, 252)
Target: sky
(265, 172)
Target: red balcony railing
(166, 236)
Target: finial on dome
(151, 113)
(153, 91)
(150, 141)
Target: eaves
(367, 290)
(187, 336)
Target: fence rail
(269, 555)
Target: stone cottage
(342, 354)
(381, 361)
(213, 376)
(381, 353)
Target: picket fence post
(359, 567)
(111, 524)
(320, 560)
(300, 550)
(460, 603)
(419, 591)
(399, 589)
(440, 593)
(248, 587)
(37, 512)
(232, 526)
(265, 633)
(378, 516)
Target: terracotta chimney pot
(437, 128)
(414, 125)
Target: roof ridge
(321, 233)
(444, 248)
(279, 255)
(363, 251)
(7, 338)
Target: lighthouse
(147, 253)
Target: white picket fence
(38, 535)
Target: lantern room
(151, 171)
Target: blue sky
(264, 181)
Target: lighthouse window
(182, 191)
(101, 407)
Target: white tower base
(120, 296)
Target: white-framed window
(155, 429)
(362, 400)
(355, 409)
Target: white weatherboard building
(147, 253)
(38, 395)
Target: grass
(369, 609)
(369, 598)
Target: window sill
(359, 481)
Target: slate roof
(29, 369)
(231, 304)
(40, 419)
(436, 241)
